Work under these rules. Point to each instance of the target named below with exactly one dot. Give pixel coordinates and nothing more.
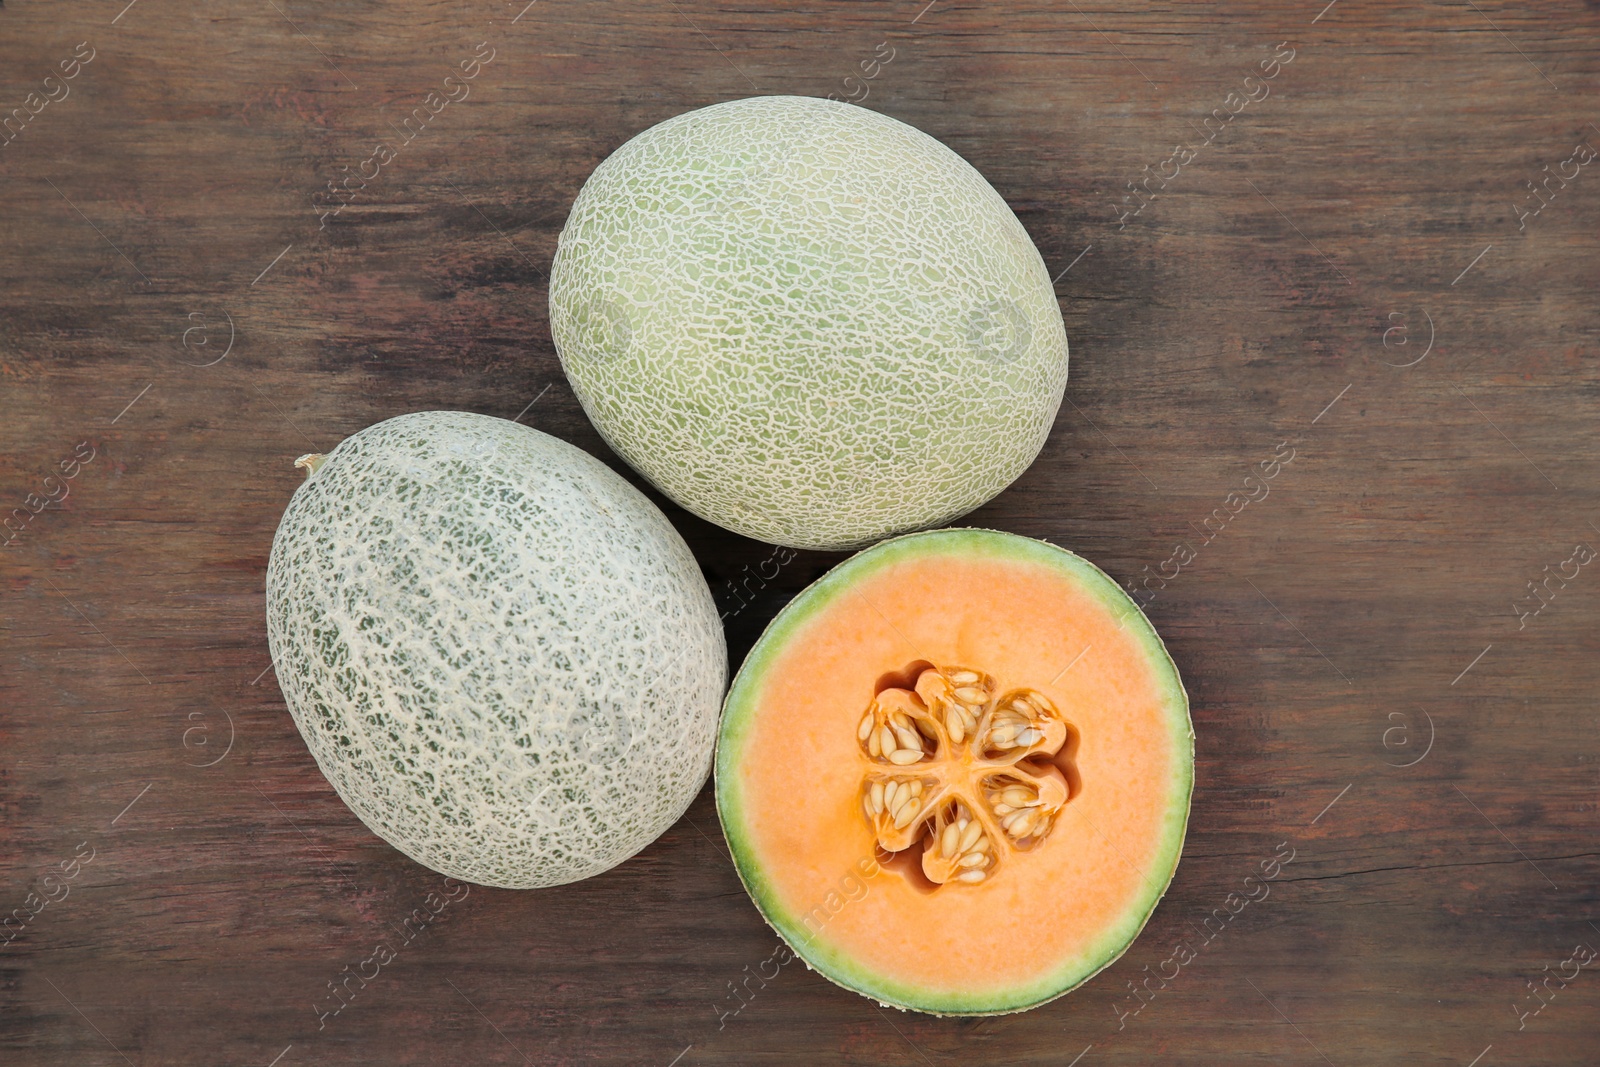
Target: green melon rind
(740, 708)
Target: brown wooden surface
(1320, 633)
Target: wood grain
(168, 202)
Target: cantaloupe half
(955, 772)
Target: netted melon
(954, 773)
(501, 655)
(807, 322)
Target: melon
(807, 322)
(955, 772)
(501, 655)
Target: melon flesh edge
(871, 944)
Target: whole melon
(501, 655)
(807, 322)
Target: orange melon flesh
(791, 773)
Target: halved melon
(955, 772)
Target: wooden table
(1346, 258)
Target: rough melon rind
(807, 322)
(502, 656)
(742, 707)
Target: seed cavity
(981, 789)
(955, 843)
(1026, 807)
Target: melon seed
(954, 723)
(907, 812)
